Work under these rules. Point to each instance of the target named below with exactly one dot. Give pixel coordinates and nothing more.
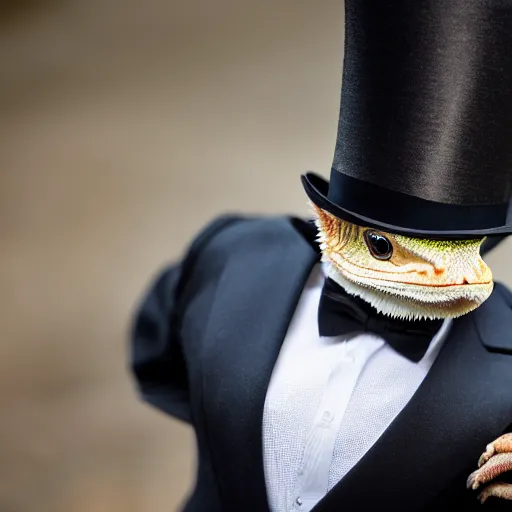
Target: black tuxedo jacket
(207, 336)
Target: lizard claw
(496, 490)
(489, 452)
(473, 481)
(495, 461)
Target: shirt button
(298, 501)
(327, 417)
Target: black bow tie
(340, 313)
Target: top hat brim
(317, 189)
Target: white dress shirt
(328, 401)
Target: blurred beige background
(125, 126)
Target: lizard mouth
(415, 300)
(428, 294)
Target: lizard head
(402, 276)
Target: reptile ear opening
(379, 246)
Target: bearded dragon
(414, 278)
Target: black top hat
(424, 144)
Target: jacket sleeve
(156, 358)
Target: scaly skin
(423, 278)
(496, 460)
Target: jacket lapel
(249, 321)
(461, 406)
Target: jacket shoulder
(228, 235)
(504, 292)
(494, 320)
(239, 238)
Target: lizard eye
(379, 246)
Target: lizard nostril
(465, 281)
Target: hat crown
(426, 103)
